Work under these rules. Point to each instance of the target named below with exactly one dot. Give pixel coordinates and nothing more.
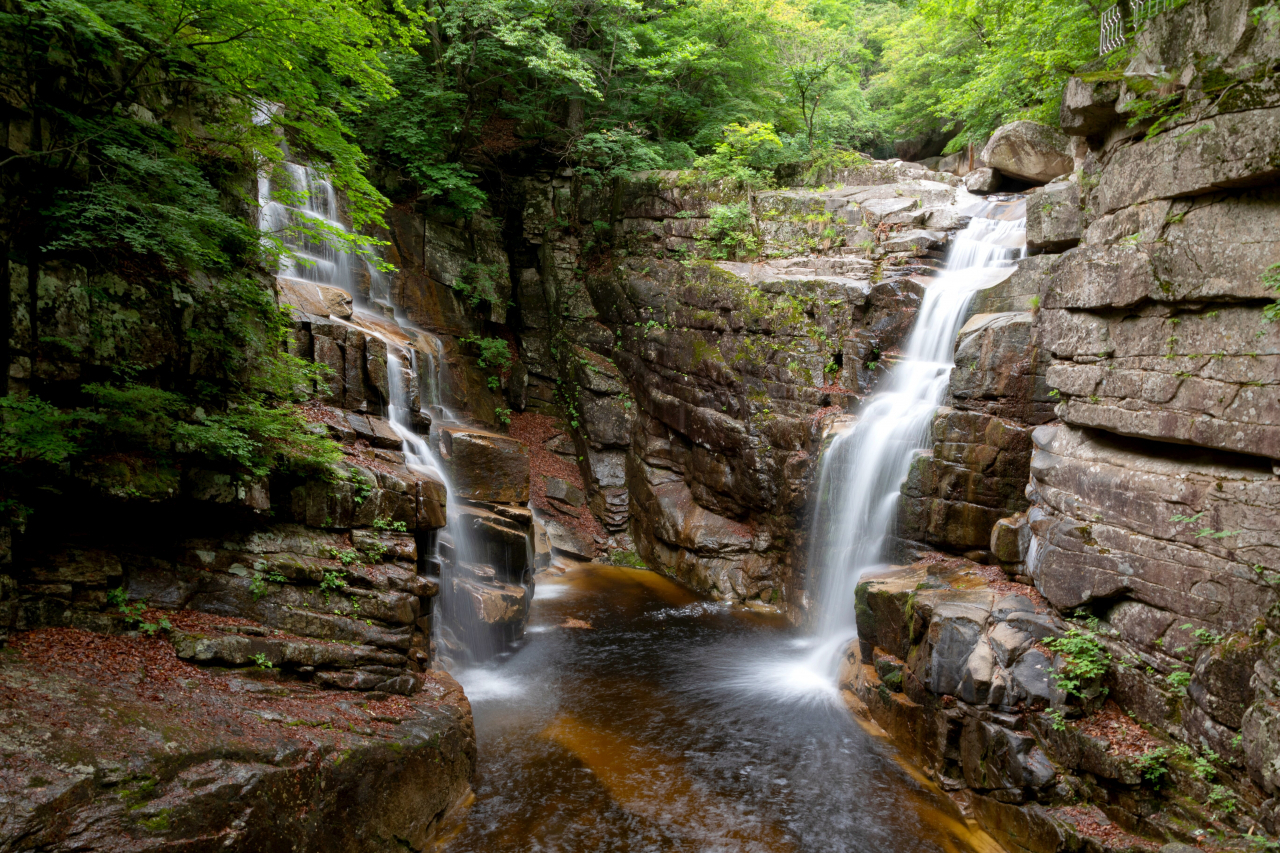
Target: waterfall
(416, 374)
(863, 469)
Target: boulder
(1028, 151)
(489, 603)
(958, 163)
(878, 209)
(917, 242)
(484, 466)
(982, 180)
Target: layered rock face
(696, 386)
(1152, 488)
(125, 748)
(318, 592)
(287, 601)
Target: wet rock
(375, 430)
(993, 757)
(997, 368)
(1028, 151)
(916, 242)
(882, 603)
(490, 603)
(484, 466)
(973, 477)
(982, 180)
(955, 629)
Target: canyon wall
(697, 385)
(1145, 539)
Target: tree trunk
(33, 306)
(6, 316)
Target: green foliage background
(136, 129)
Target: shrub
(1082, 661)
(729, 232)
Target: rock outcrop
(693, 383)
(125, 748)
(1129, 383)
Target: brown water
(656, 729)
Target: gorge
(599, 499)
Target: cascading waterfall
(376, 315)
(863, 468)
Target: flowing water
(865, 465)
(416, 373)
(641, 719)
(855, 504)
(635, 734)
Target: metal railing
(1125, 17)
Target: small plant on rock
(1082, 661)
(1153, 764)
(331, 582)
(1271, 281)
(258, 586)
(347, 556)
(1057, 719)
(388, 524)
(729, 232)
(133, 613)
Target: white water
(415, 358)
(863, 469)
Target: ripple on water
(677, 728)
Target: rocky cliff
(695, 382)
(1120, 687)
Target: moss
(703, 351)
(627, 558)
(138, 790)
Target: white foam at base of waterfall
(863, 468)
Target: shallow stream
(660, 728)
